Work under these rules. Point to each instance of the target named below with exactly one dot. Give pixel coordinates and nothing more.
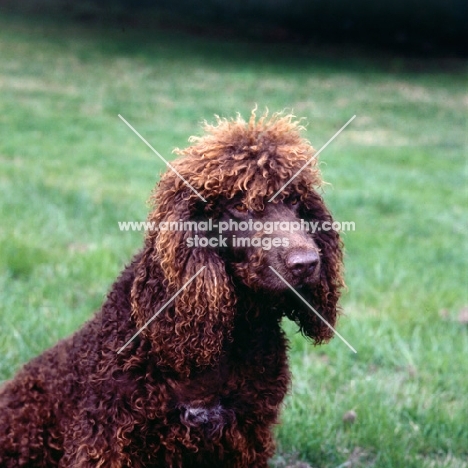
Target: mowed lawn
(70, 170)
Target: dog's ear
(190, 332)
(325, 295)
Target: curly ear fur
(324, 296)
(189, 334)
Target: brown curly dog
(202, 383)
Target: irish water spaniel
(201, 384)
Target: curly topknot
(255, 157)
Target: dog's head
(255, 185)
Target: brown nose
(302, 263)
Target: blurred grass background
(70, 170)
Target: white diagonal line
(161, 309)
(162, 158)
(311, 308)
(313, 157)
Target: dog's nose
(302, 263)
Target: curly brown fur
(202, 384)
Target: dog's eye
(294, 201)
(240, 207)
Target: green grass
(70, 169)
